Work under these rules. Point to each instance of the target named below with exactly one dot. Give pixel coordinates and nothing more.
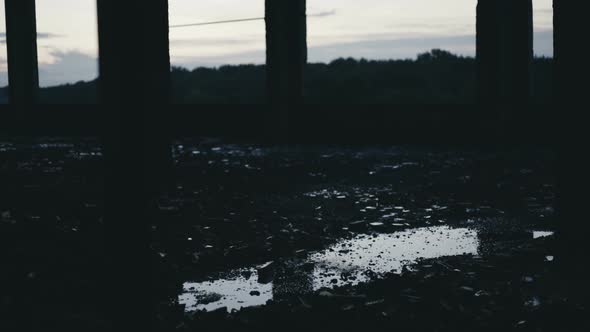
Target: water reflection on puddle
(359, 258)
(540, 234)
(234, 292)
(348, 262)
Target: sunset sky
(374, 29)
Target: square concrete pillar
(571, 140)
(134, 88)
(286, 56)
(504, 51)
(21, 43)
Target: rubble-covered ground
(311, 237)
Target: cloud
(249, 57)
(196, 42)
(377, 47)
(44, 35)
(68, 67)
(323, 14)
(367, 46)
(546, 11)
(395, 47)
(40, 35)
(73, 66)
(431, 28)
(543, 43)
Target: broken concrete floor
(422, 238)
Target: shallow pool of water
(540, 234)
(361, 258)
(348, 262)
(234, 291)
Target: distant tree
(435, 77)
(437, 55)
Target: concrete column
(504, 51)
(134, 87)
(570, 59)
(134, 52)
(286, 56)
(21, 43)
(572, 171)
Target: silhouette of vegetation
(433, 77)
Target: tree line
(433, 77)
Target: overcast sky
(374, 29)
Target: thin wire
(217, 22)
(231, 21)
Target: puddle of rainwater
(232, 292)
(348, 262)
(540, 234)
(364, 256)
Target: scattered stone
(348, 307)
(266, 272)
(371, 303)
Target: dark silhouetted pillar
(573, 167)
(286, 56)
(21, 43)
(504, 51)
(134, 88)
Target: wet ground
(255, 237)
(348, 262)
